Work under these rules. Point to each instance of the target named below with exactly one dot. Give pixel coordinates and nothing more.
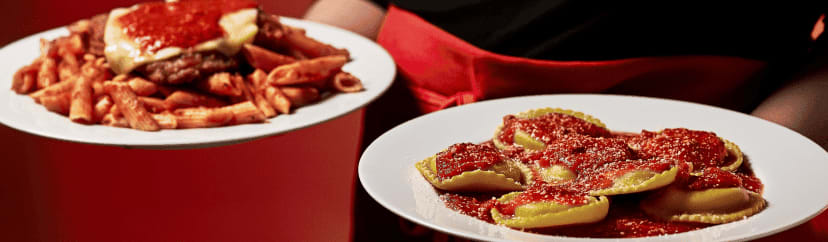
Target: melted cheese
(124, 54)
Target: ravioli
(555, 174)
(701, 148)
(533, 129)
(500, 174)
(550, 213)
(627, 177)
(711, 206)
(734, 155)
(565, 157)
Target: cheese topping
(124, 53)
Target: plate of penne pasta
(67, 84)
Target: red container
(292, 187)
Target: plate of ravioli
(592, 167)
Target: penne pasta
(129, 105)
(166, 120)
(97, 88)
(296, 39)
(186, 99)
(261, 102)
(221, 84)
(88, 57)
(311, 72)
(29, 82)
(257, 78)
(154, 105)
(81, 110)
(96, 72)
(277, 99)
(300, 96)
(167, 90)
(68, 68)
(263, 59)
(24, 79)
(201, 117)
(102, 107)
(296, 54)
(59, 103)
(47, 49)
(345, 82)
(72, 45)
(47, 74)
(141, 86)
(121, 78)
(114, 110)
(99, 69)
(57, 89)
(245, 112)
(114, 121)
(242, 84)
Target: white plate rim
(371, 158)
(370, 62)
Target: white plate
(371, 63)
(791, 166)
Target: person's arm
(802, 104)
(360, 16)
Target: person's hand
(801, 104)
(360, 16)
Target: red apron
(441, 70)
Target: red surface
(276, 188)
(441, 70)
(280, 188)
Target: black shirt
(600, 30)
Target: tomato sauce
(603, 177)
(549, 127)
(560, 194)
(582, 152)
(157, 25)
(598, 158)
(703, 149)
(470, 205)
(624, 220)
(751, 183)
(713, 177)
(462, 157)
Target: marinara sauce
(702, 148)
(549, 127)
(158, 25)
(578, 152)
(560, 194)
(465, 157)
(624, 220)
